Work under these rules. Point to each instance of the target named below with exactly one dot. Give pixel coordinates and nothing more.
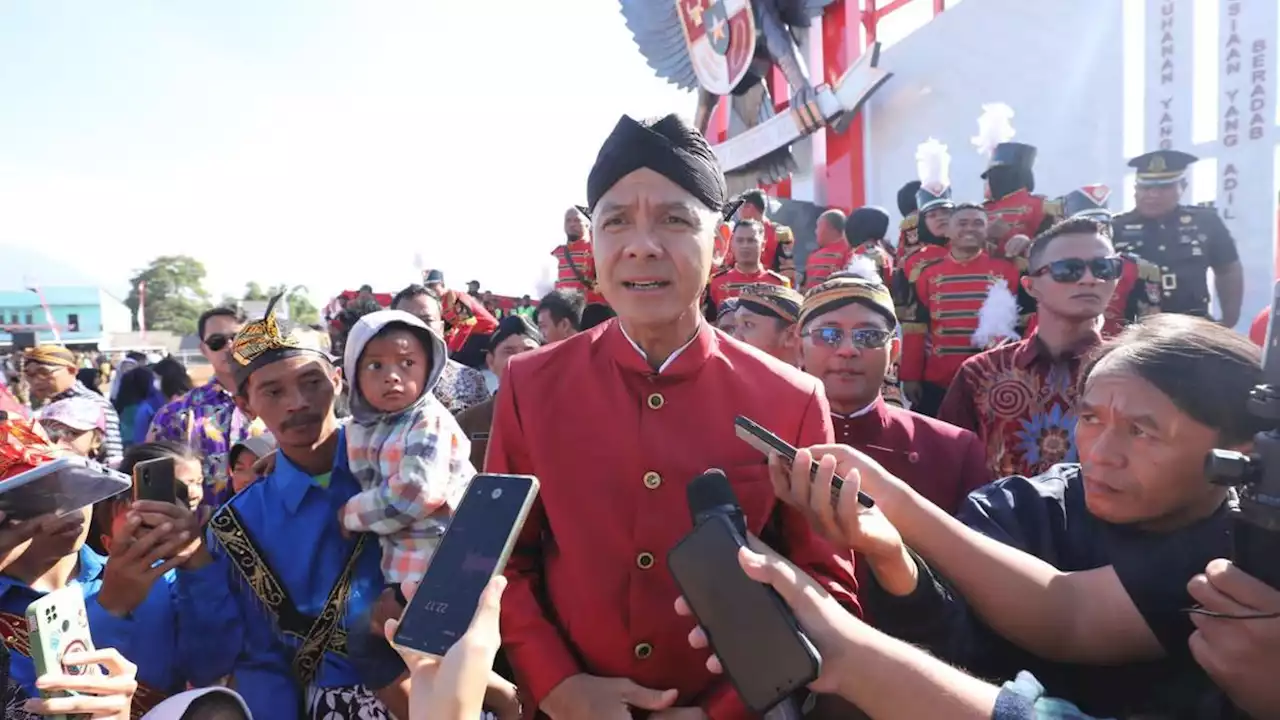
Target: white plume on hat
(998, 317)
(995, 126)
(863, 267)
(933, 165)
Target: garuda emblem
(727, 48)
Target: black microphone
(710, 495)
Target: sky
(319, 142)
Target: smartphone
(62, 487)
(772, 658)
(476, 546)
(58, 624)
(156, 480)
(769, 444)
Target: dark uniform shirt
(1183, 244)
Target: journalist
(1079, 574)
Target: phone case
(57, 624)
(527, 505)
(773, 658)
(155, 480)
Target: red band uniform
(778, 252)
(576, 269)
(727, 284)
(1012, 202)
(464, 316)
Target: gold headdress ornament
(265, 341)
(995, 126)
(837, 292)
(771, 301)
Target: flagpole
(48, 314)
(142, 318)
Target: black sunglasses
(217, 343)
(863, 339)
(1069, 270)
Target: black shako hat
(1012, 154)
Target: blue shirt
(294, 524)
(16, 595)
(149, 637)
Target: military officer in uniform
(1183, 241)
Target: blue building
(83, 315)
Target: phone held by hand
(57, 624)
(769, 444)
(156, 480)
(476, 546)
(61, 487)
(750, 628)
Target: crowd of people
(1027, 387)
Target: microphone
(710, 495)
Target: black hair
(136, 356)
(596, 314)
(968, 206)
(1205, 369)
(411, 292)
(514, 326)
(753, 224)
(754, 198)
(365, 289)
(213, 312)
(215, 706)
(563, 305)
(100, 521)
(135, 386)
(174, 379)
(1071, 226)
(90, 377)
(907, 198)
(834, 219)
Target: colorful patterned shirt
(207, 420)
(1021, 402)
(412, 468)
(460, 387)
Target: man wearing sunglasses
(206, 419)
(1020, 398)
(847, 329)
(1137, 292)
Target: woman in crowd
(172, 382)
(137, 387)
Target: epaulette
(909, 222)
(919, 268)
(784, 234)
(1054, 207)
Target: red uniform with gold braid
(778, 253)
(589, 590)
(908, 237)
(1137, 295)
(876, 253)
(1024, 213)
(940, 313)
(827, 259)
(576, 269)
(464, 316)
(728, 283)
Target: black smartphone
(476, 546)
(156, 480)
(771, 658)
(766, 442)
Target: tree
(174, 294)
(253, 291)
(301, 311)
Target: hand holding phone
(156, 480)
(58, 629)
(770, 444)
(475, 547)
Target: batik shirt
(206, 419)
(460, 387)
(1021, 401)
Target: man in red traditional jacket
(1013, 211)
(847, 328)
(1020, 398)
(575, 267)
(941, 304)
(833, 251)
(616, 421)
(779, 242)
(748, 268)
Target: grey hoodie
(364, 330)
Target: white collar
(671, 358)
(858, 413)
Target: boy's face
(242, 471)
(393, 370)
